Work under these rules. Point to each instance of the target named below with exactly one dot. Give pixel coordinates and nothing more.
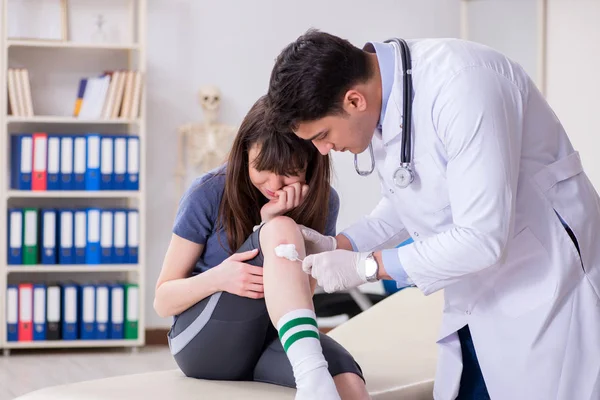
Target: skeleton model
(204, 145)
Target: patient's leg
(289, 302)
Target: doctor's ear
(354, 101)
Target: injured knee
(287, 251)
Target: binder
(92, 170)
(30, 236)
(120, 237)
(106, 237)
(92, 252)
(48, 254)
(66, 252)
(53, 313)
(69, 312)
(131, 310)
(66, 163)
(21, 161)
(120, 162)
(106, 163)
(12, 313)
(40, 148)
(102, 312)
(53, 166)
(15, 236)
(25, 312)
(133, 229)
(133, 163)
(79, 164)
(80, 236)
(117, 310)
(39, 312)
(87, 312)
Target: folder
(117, 309)
(39, 311)
(12, 313)
(106, 237)
(92, 170)
(133, 238)
(66, 252)
(80, 236)
(40, 149)
(30, 236)
(87, 312)
(15, 236)
(69, 312)
(53, 313)
(131, 310)
(120, 237)
(120, 162)
(53, 166)
(48, 254)
(133, 163)
(79, 164)
(106, 163)
(25, 312)
(92, 251)
(102, 312)
(66, 163)
(21, 161)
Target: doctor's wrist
(343, 243)
(381, 272)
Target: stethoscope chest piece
(403, 176)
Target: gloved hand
(315, 242)
(336, 270)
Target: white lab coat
(493, 167)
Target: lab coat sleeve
(478, 116)
(379, 230)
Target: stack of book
(19, 93)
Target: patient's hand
(288, 197)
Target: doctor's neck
(373, 87)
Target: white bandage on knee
(287, 251)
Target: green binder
(30, 236)
(132, 310)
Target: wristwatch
(371, 268)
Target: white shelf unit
(136, 59)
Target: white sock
(300, 339)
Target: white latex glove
(315, 242)
(336, 270)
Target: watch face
(371, 268)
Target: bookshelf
(133, 55)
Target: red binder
(40, 153)
(25, 312)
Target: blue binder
(66, 252)
(21, 150)
(117, 311)
(87, 312)
(80, 236)
(48, 242)
(39, 311)
(133, 163)
(92, 252)
(53, 163)
(15, 236)
(120, 162)
(12, 313)
(66, 163)
(106, 162)
(106, 236)
(79, 162)
(69, 315)
(102, 311)
(133, 229)
(120, 236)
(92, 168)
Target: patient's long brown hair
(279, 152)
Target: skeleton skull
(209, 98)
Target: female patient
(249, 315)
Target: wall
(233, 45)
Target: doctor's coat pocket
(525, 281)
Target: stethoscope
(404, 175)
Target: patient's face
(267, 182)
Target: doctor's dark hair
(283, 154)
(311, 76)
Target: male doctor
(486, 182)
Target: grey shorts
(229, 337)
